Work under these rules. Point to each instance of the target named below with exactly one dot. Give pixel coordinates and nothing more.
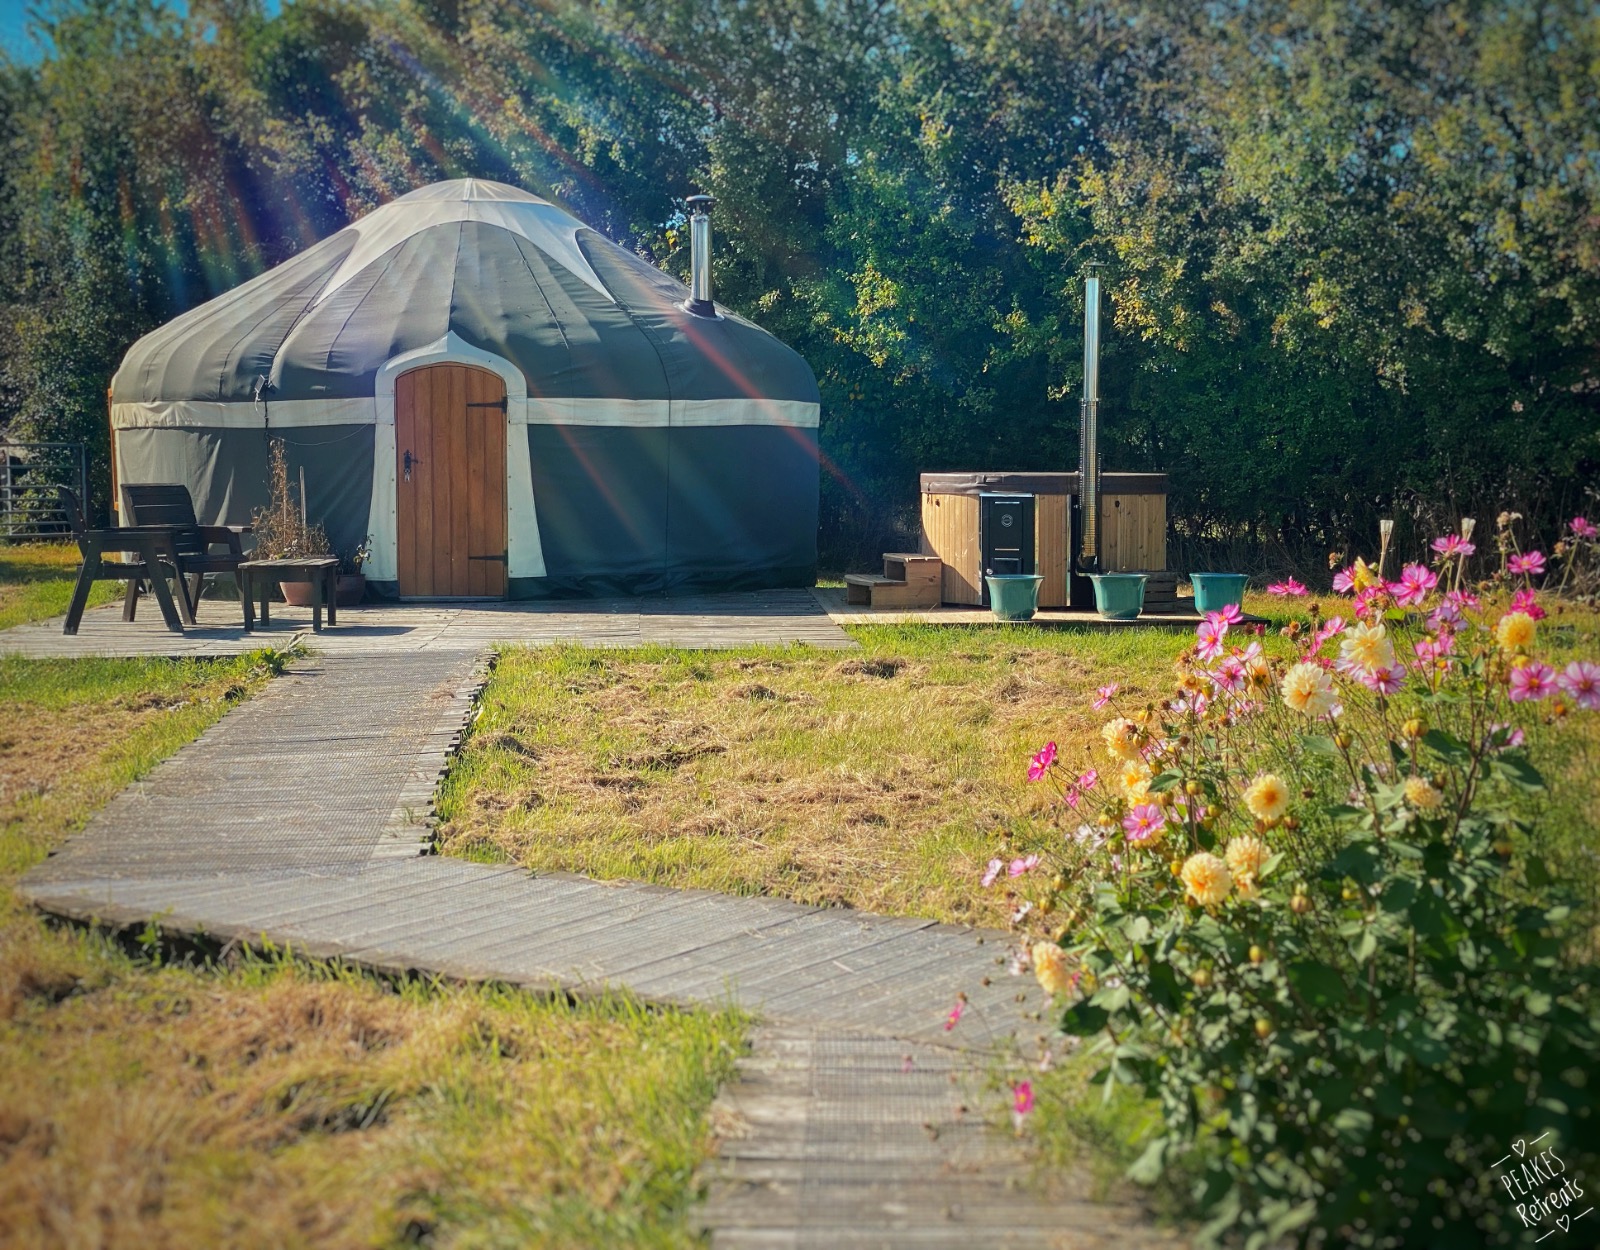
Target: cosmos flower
(1416, 581)
(1386, 680)
(1581, 680)
(1021, 865)
(1210, 634)
(996, 866)
(1583, 528)
(1344, 581)
(1329, 628)
(1228, 614)
(1104, 695)
(1532, 682)
(1452, 546)
(956, 1012)
(1530, 564)
(1527, 600)
(1144, 822)
(1288, 588)
(1042, 759)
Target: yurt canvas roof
(496, 267)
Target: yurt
(494, 398)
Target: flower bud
(1300, 904)
(1191, 788)
(1342, 741)
(1257, 955)
(1263, 1028)
(1202, 978)
(1291, 822)
(1414, 728)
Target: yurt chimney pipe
(1089, 428)
(699, 207)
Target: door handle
(409, 461)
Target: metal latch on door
(499, 559)
(489, 403)
(409, 461)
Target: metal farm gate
(30, 474)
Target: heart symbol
(1520, 1146)
(1565, 1221)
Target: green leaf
(1447, 746)
(1517, 770)
(1084, 1019)
(1148, 1167)
(1364, 947)
(1319, 744)
(1537, 874)
(1164, 781)
(1317, 983)
(1399, 894)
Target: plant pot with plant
(282, 530)
(352, 585)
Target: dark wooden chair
(171, 505)
(155, 561)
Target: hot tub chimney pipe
(699, 302)
(1089, 429)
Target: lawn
(264, 1100)
(884, 780)
(36, 582)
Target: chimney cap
(700, 203)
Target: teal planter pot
(1215, 591)
(1118, 596)
(1014, 596)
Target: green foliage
(1353, 268)
(1344, 966)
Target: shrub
(1308, 910)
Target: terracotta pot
(297, 593)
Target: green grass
(271, 1101)
(36, 582)
(883, 779)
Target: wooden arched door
(450, 482)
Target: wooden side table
(261, 576)
(156, 561)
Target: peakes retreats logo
(1542, 1192)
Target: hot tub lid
(1040, 483)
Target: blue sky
(14, 20)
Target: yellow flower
(1121, 737)
(1135, 777)
(1367, 647)
(1207, 879)
(1515, 631)
(1050, 966)
(1306, 688)
(1267, 798)
(1422, 795)
(1365, 574)
(1246, 854)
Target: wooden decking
(777, 616)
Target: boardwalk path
(301, 817)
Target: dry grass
(268, 1102)
(36, 582)
(883, 781)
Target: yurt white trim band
(638, 414)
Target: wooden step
(870, 590)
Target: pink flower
(1104, 695)
(1453, 545)
(1144, 822)
(1344, 581)
(1532, 682)
(1086, 781)
(1581, 680)
(1503, 737)
(1288, 588)
(1229, 675)
(1228, 614)
(1434, 653)
(1529, 565)
(1415, 582)
(1022, 1098)
(1386, 680)
(1329, 628)
(956, 1012)
(1211, 633)
(1370, 599)
(1462, 600)
(1527, 600)
(1583, 528)
(992, 871)
(1019, 866)
(1042, 759)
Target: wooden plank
(950, 531)
(422, 470)
(405, 508)
(1051, 549)
(477, 393)
(460, 482)
(492, 484)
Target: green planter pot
(1014, 596)
(1215, 591)
(1118, 596)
